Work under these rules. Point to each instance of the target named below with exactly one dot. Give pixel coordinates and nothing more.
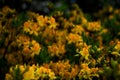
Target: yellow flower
(60, 36)
(34, 29)
(94, 70)
(84, 20)
(35, 48)
(26, 51)
(22, 68)
(78, 29)
(8, 77)
(52, 23)
(49, 33)
(94, 26)
(85, 52)
(27, 26)
(29, 75)
(117, 46)
(52, 75)
(23, 40)
(85, 66)
(73, 38)
(40, 20)
(56, 49)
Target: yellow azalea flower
(66, 24)
(26, 51)
(116, 11)
(85, 52)
(110, 9)
(78, 29)
(94, 70)
(49, 33)
(56, 49)
(52, 23)
(60, 36)
(85, 66)
(8, 77)
(34, 29)
(35, 48)
(29, 75)
(73, 73)
(27, 26)
(85, 70)
(22, 68)
(117, 46)
(52, 75)
(45, 72)
(40, 20)
(73, 38)
(23, 40)
(53, 50)
(84, 20)
(94, 26)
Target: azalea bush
(60, 46)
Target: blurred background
(46, 6)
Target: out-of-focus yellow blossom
(67, 24)
(94, 70)
(45, 72)
(117, 46)
(85, 67)
(94, 26)
(52, 23)
(84, 20)
(49, 33)
(27, 26)
(34, 29)
(74, 72)
(12, 72)
(87, 72)
(30, 74)
(73, 38)
(103, 31)
(41, 20)
(8, 77)
(60, 36)
(110, 8)
(56, 49)
(26, 51)
(84, 52)
(61, 68)
(52, 75)
(80, 45)
(78, 29)
(35, 48)
(23, 40)
(116, 11)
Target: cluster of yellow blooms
(57, 34)
(33, 72)
(87, 72)
(56, 49)
(53, 70)
(94, 26)
(116, 48)
(42, 22)
(30, 48)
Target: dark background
(40, 5)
